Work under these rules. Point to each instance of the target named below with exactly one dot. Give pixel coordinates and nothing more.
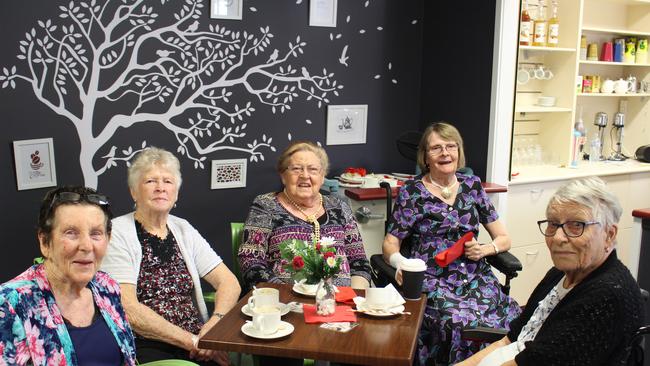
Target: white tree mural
(200, 84)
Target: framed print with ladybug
(34, 161)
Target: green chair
(169, 363)
(236, 231)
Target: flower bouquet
(314, 263)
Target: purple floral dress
(465, 293)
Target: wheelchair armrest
(383, 273)
(483, 334)
(505, 263)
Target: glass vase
(325, 297)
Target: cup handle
(258, 323)
(251, 302)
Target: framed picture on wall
(347, 124)
(34, 161)
(228, 173)
(322, 13)
(226, 9)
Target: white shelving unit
(551, 128)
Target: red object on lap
(447, 256)
(342, 314)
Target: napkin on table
(345, 295)
(341, 314)
(398, 300)
(447, 256)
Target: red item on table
(345, 295)
(341, 314)
(360, 171)
(447, 256)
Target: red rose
(318, 246)
(329, 254)
(298, 263)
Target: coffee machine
(601, 121)
(619, 123)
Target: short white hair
(593, 195)
(150, 157)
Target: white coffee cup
(370, 181)
(607, 86)
(379, 297)
(264, 297)
(266, 319)
(539, 73)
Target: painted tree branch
(173, 75)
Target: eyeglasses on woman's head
(572, 229)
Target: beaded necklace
(445, 192)
(310, 218)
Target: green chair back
(236, 231)
(169, 363)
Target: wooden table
(375, 341)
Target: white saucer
(348, 185)
(300, 289)
(284, 309)
(392, 311)
(285, 330)
(389, 311)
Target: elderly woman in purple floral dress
(433, 212)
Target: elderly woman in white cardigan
(158, 260)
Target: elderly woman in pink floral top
(65, 312)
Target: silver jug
(631, 84)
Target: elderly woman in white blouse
(159, 260)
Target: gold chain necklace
(312, 219)
(445, 192)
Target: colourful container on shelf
(592, 52)
(629, 56)
(607, 53)
(619, 49)
(642, 51)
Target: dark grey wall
(379, 33)
(458, 39)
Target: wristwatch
(218, 315)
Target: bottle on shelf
(525, 26)
(579, 126)
(540, 30)
(553, 26)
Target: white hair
(150, 157)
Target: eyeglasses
(437, 149)
(73, 197)
(298, 169)
(572, 229)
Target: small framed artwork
(226, 9)
(228, 173)
(322, 13)
(347, 124)
(35, 166)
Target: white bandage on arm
(396, 259)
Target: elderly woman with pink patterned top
(64, 311)
(300, 212)
(159, 260)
